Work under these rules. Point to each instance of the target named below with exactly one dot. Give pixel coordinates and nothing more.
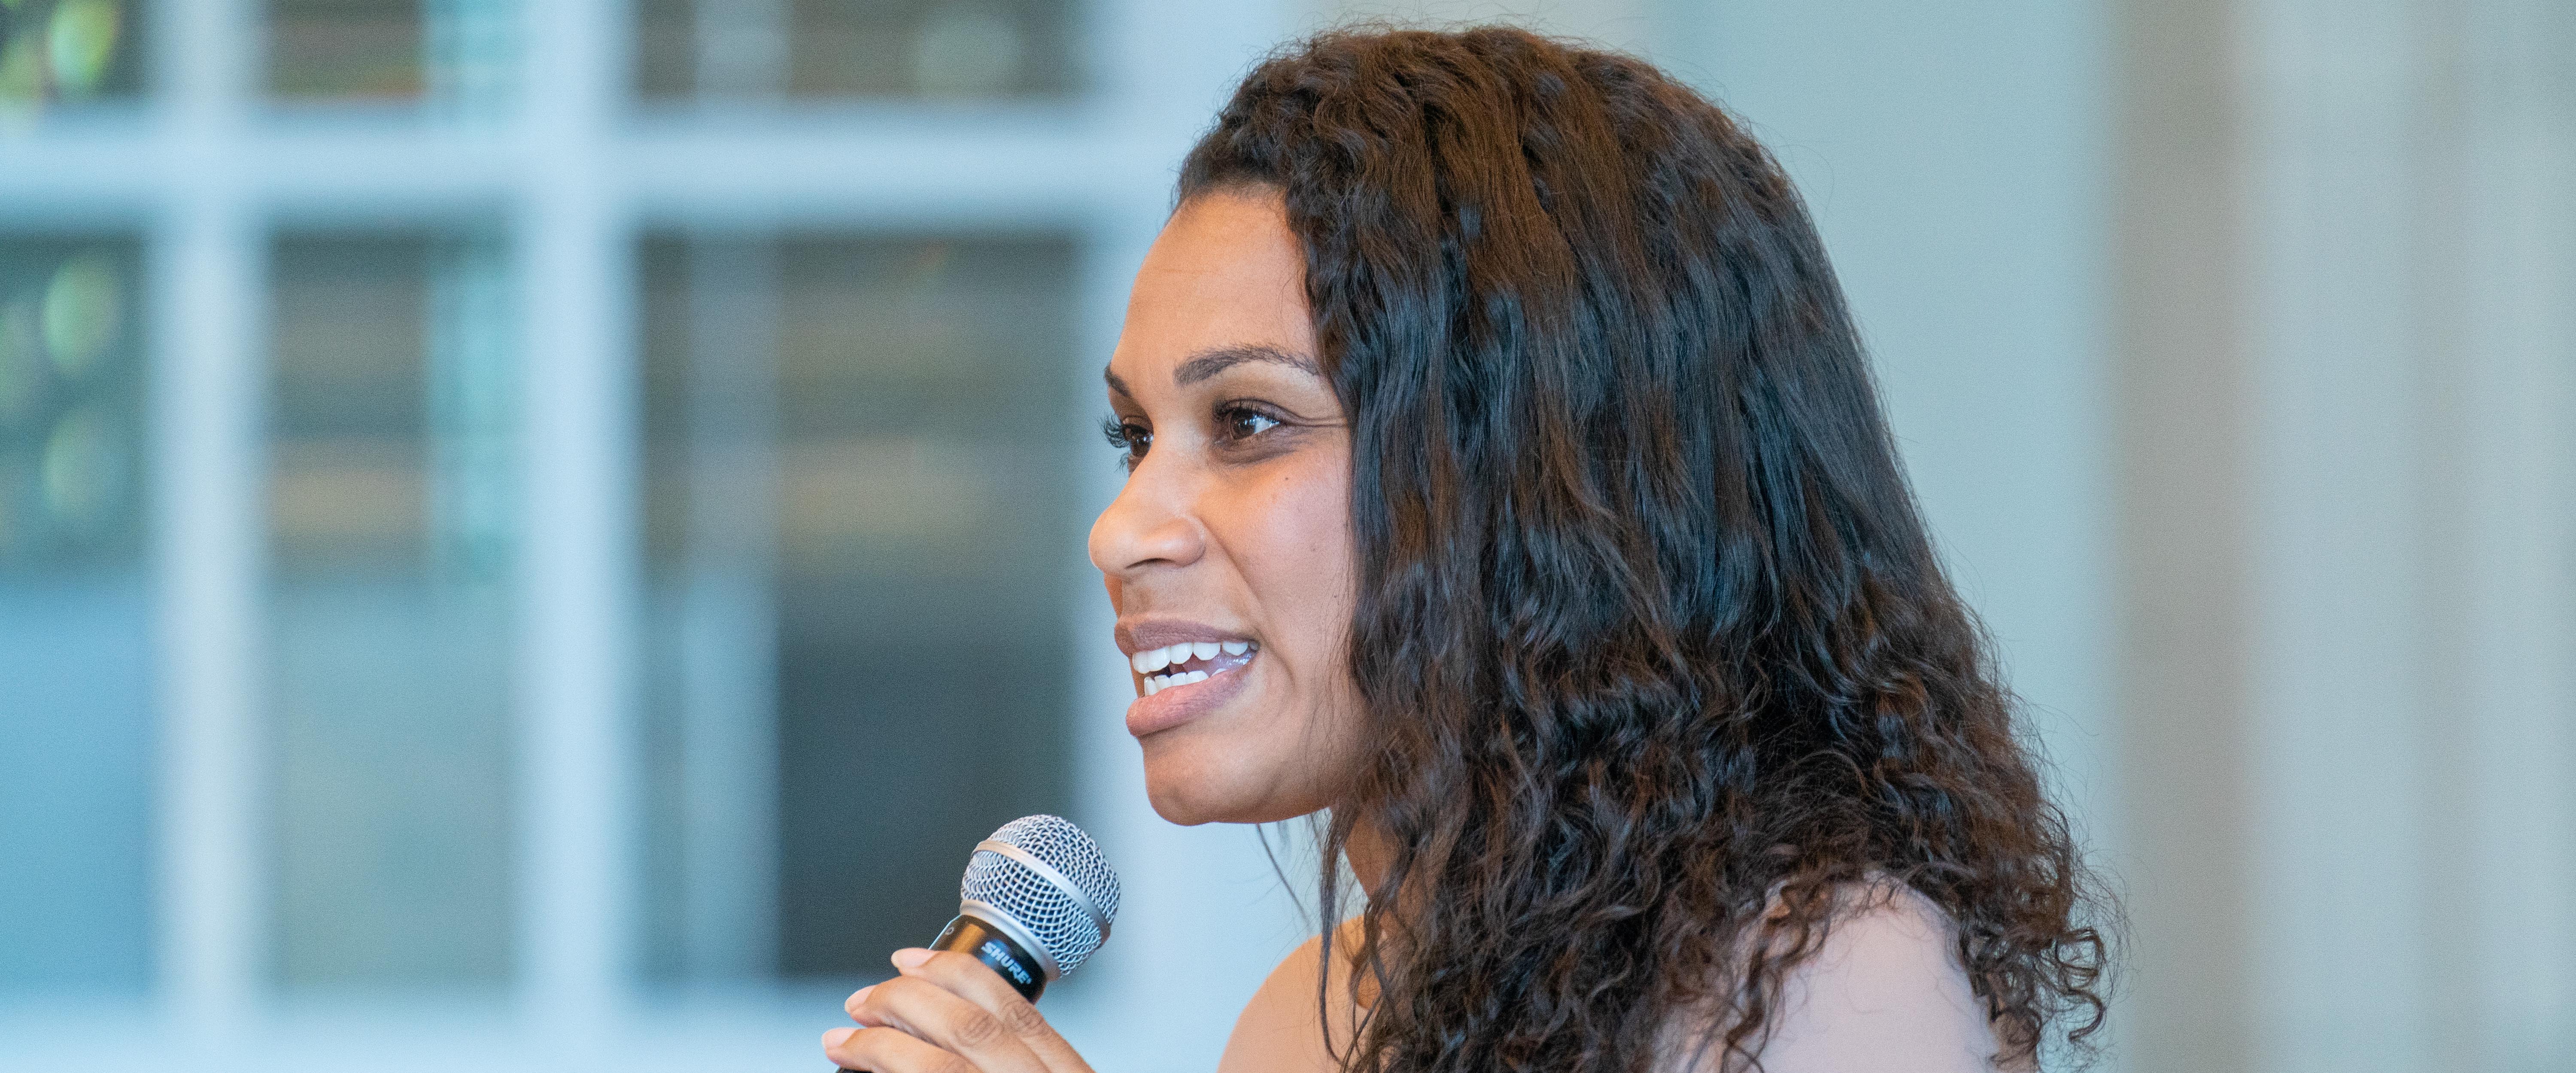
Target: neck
(1368, 853)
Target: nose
(1150, 524)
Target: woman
(1493, 418)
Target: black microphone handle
(968, 934)
(999, 952)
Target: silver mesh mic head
(1049, 878)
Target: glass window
(75, 618)
(855, 48)
(389, 50)
(391, 506)
(857, 500)
(55, 51)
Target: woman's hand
(947, 1013)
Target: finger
(962, 975)
(933, 1015)
(888, 1050)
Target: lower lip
(1176, 705)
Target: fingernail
(910, 957)
(837, 1037)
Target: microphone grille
(1071, 919)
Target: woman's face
(1228, 554)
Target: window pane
(344, 48)
(60, 51)
(390, 509)
(855, 48)
(390, 50)
(75, 619)
(857, 519)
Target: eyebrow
(1207, 363)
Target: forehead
(1225, 272)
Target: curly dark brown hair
(1656, 655)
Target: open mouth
(1190, 662)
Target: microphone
(1037, 900)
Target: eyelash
(1133, 440)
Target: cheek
(1300, 570)
(1300, 561)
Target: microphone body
(996, 949)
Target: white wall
(2347, 260)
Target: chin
(1189, 787)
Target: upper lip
(1137, 635)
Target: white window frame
(205, 169)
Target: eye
(1130, 438)
(1237, 423)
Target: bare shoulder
(1279, 1031)
(1886, 991)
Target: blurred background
(513, 515)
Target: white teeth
(1160, 682)
(1154, 659)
